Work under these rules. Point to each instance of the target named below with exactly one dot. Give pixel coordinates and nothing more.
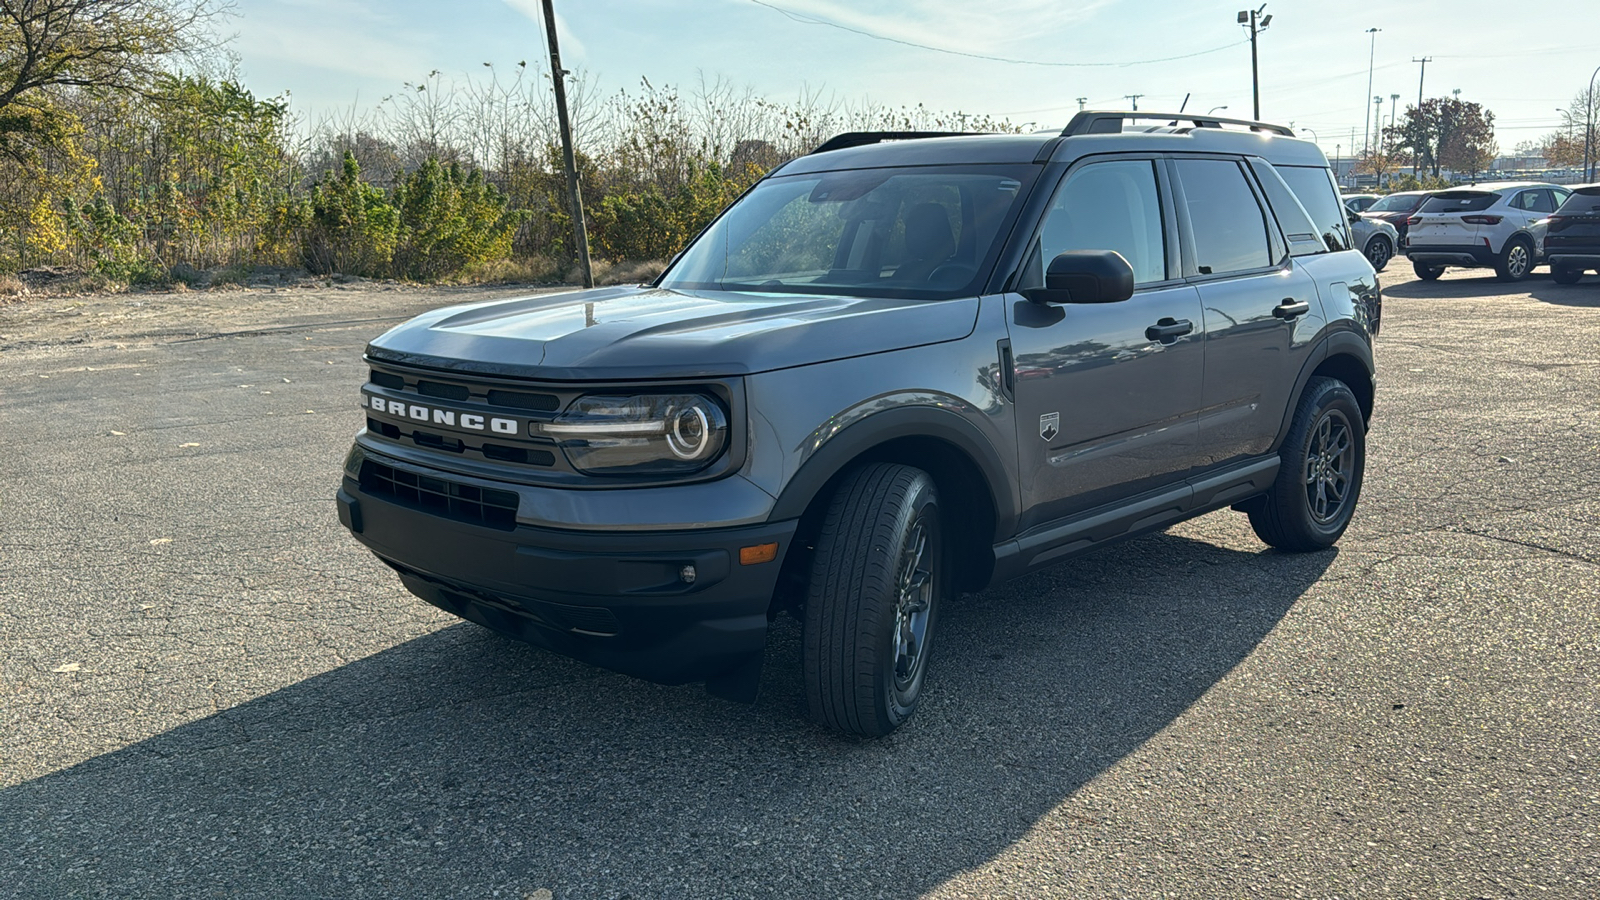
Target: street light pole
(1372, 54)
(1214, 109)
(580, 231)
(1258, 23)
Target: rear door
(1254, 298)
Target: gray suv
(898, 368)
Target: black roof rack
(862, 138)
(1107, 122)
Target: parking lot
(207, 688)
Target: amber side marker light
(760, 553)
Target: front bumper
(614, 599)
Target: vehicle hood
(639, 332)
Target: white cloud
(962, 26)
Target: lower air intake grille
(480, 506)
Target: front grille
(488, 400)
(463, 502)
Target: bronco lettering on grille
(433, 415)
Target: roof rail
(1110, 122)
(862, 138)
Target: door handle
(1168, 330)
(1291, 308)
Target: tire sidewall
(1330, 395)
(1505, 271)
(1427, 273)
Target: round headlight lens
(640, 434)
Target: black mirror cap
(1086, 276)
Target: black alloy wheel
(1323, 461)
(1379, 252)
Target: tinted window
(1105, 206)
(1292, 217)
(1460, 201)
(1230, 230)
(1534, 201)
(1318, 194)
(1398, 203)
(1585, 202)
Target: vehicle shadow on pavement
(465, 764)
(1585, 293)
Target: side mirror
(1085, 276)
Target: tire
(1515, 261)
(1319, 482)
(873, 600)
(1564, 275)
(1379, 252)
(1427, 273)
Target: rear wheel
(1516, 260)
(873, 600)
(1564, 275)
(1427, 273)
(1379, 252)
(1319, 481)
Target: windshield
(926, 232)
(1398, 203)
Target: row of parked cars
(1510, 227)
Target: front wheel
(1323, 460)
(1427, 273)
(1564, 275)
(873, 600)
(1515, 262)
(1379, 252)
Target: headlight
(640, 434)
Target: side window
(1230, 229)
(1304, 239)
(1314, 186)
(1105, 206)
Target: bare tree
(112, 44)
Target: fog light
(760, 553)
(687, 574)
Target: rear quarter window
(1460, 201)
(1314, 186)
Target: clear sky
(1522, 61)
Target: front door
(1107, 394)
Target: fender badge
(1050, 425)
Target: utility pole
(1258, 23)
(1372, 54)
(1081, 102)
(580, 231)
(1588, 130)
(1424, 74)
(1135, 99)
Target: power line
(805, 19)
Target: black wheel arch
(974, 485)
(1347, 356)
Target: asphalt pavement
(208, 689)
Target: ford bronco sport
(902, 366)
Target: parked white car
(1481, 226)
